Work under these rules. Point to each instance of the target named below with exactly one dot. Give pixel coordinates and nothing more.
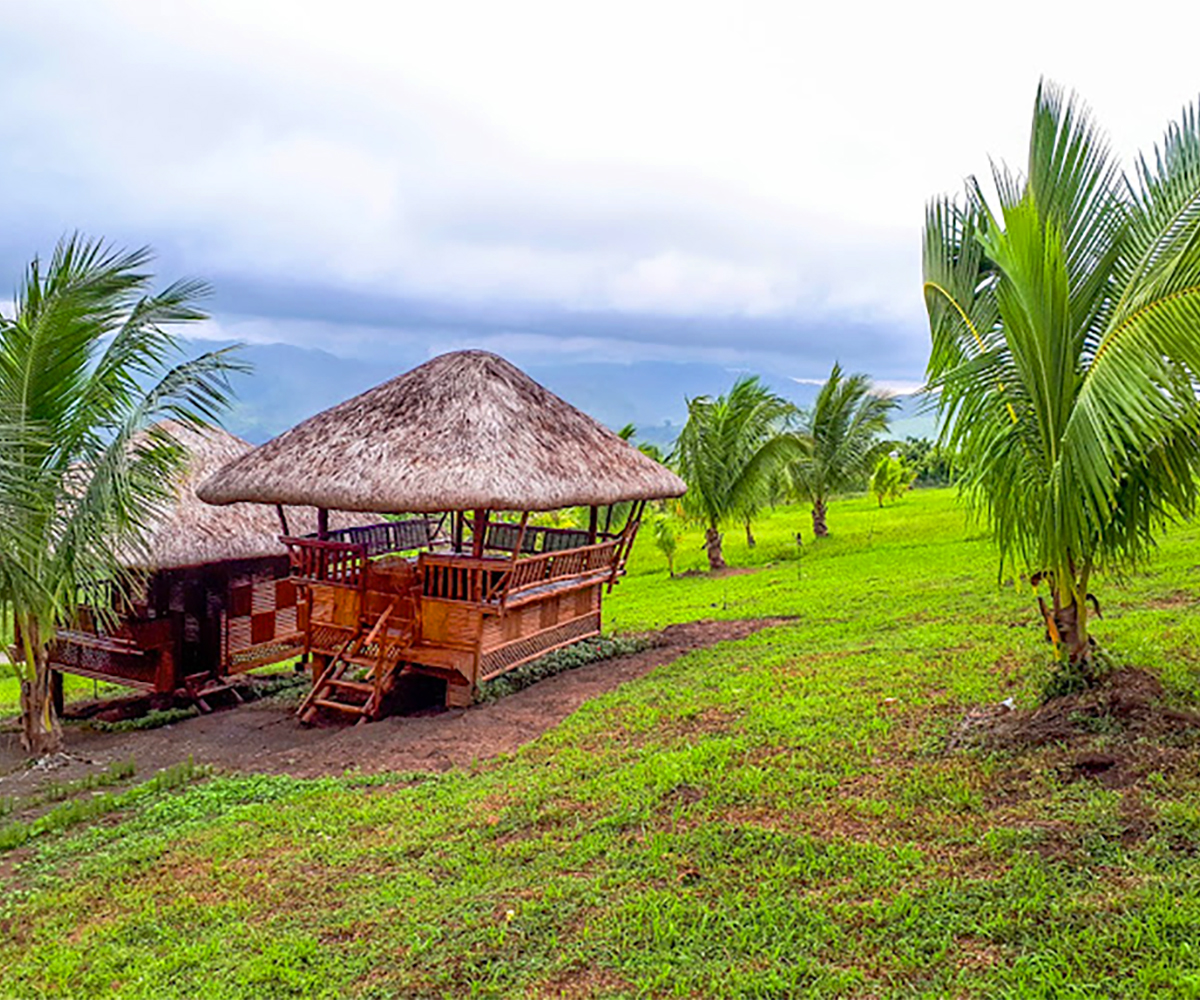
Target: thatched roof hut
(465, 431)
(192, 533)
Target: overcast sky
(737, 182)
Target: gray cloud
(400, 178)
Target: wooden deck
(461, 618)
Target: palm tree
(666, 541)
(892, 476)
(1065, 323)
(78, 484)
(842, 431)
(726, 453)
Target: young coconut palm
(843, 430)
(1066, 342)
(726, 453)
(77, 491)
(891, 478)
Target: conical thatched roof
(190, 533)
(466, 430)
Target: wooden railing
(339, 563)
(502, 537)
(460, 578)
(551, 567)
(388, 536)
(492, 581)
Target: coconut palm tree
(843, 430)
(1065, 318)
(83, 369)
(726, 453)
(892, 476)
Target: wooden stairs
(361, 671)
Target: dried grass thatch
(466, 430)
(191, 533)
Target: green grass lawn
(770, 818)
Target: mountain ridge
(289, 384)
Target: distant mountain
(291, 383)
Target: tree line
(740, 451)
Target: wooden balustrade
(539, 539)
(492, 581)
(338, 563)
(388, 536)
(460, 578)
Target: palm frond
(1064, 349)
(84, 373)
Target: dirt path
(265, 737)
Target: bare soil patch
(264, 736)
(1126, 713)
(718, 574)
(1175, 600)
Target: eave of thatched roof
(191, 533)
(464, 431)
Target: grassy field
(771, 818)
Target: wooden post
(456, 530)
(593, 524)
(625, 541)
(56, 692)
(635, 515)
(520, 536)
(323, 524)
(480, 533)
(282, 518)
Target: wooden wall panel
(447, 623)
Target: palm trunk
(750, 542)
(1067, 623)
(41, 732)
(712, 545)
(1071, 618)
(818, 518)
(1071, 622)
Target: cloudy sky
(736, 182)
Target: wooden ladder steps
(362, 687)
(359, 660)
(339, 706)
(371, 649)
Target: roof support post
(520, 536)
(323, 523)
(479, 529)
(625, 540)
(282, 518)
(456, 531)
(593, 523)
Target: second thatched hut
(213, 595)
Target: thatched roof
(466, 430)
(190, 533)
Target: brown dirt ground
(718, 574)
(264, 736)
(1129, 704)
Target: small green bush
(151, 720)
(580, 654)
